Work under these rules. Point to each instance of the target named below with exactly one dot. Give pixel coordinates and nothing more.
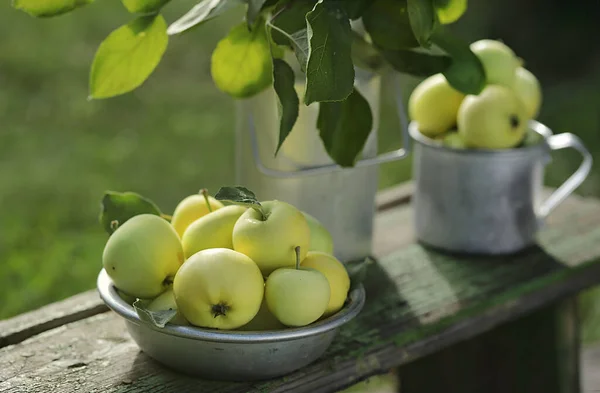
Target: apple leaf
(118, 207)
(241, 64)
(344, 127)
(354, 8)
(237, 195)
(388, 24)
(423, 20)
(156, 318)
(283, 82)
(144, 6)
(200, 13)
(128, 56)
(357, 271)
(465, 73)
(416, 63)
(289, 19)
(48, 8)
(329, 71)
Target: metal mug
(487, 201)
(303, 174)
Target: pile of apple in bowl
(495, 119)
(228, 288)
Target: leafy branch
(329, 39)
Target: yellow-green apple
(297, 296)
(433, 105)
(454, 140)
(269, 233)
(166, 301)
(192, 208)
(529, 90)
(494, 119)
(218, 288)
(499, 61)
(143, 255)
(336, 274)
(320, 237)
(213, 230)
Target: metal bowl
(228, 354)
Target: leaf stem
(204, 193)
(297, 249)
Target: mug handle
(564, 141)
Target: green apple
(166, 301)
(219, 288)
(433, 105)
(192, 208)
(529, 90)
(494, 119)
(499, 61)
(213, 230)
(263, 320)
(454, 141)
(143, 255)
(336, 274)
(320, 238)
(297, 296)
(270, 237)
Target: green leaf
(128, 56)
(144, 6)
(283, 82)
(465, 73)
(449, 11)
(237, 195)
(364, 55)
(200, 13)
(290, 19)
(388, 24)
(48, 8)
(241, 64)
(329, 71)
(344, 127)
(423, 20)
(255, 7)
(118, 207)
(354, 8)
(416, 63)
(156, 318)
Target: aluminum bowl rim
(351, 309)
(533, 125)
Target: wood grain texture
(419, 302)
(26, 325)
(590, 370)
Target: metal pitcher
(302, 173)
(487, 202)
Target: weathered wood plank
(418, 302)
(23, 326)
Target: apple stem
(204, 193)
(114, 225)
(259, 209)
(297, 249)
(219, 309)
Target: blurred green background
(59, 152)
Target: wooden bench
(443, 323)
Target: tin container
(487, 201)
(231, 355)
(302, 173)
